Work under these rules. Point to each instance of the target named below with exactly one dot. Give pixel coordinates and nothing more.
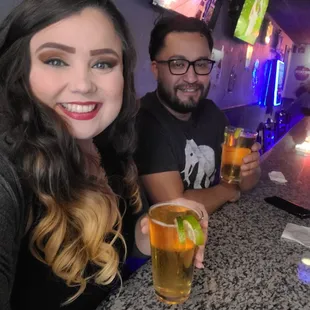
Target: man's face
(182, 93)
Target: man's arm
(166, 186)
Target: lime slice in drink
(237, 133)
(180, 229)
(193, 229)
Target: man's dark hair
(178, 23)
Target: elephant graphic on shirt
(202, 157)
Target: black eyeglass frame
(190, 63)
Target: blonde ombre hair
(72, 235)
(79, 220)
(82, 228)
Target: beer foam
(163, 224)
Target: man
(181, 132)
(303, 98)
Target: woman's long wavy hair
(80, 221)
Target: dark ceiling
(293, 16)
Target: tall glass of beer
(172, 260)
(237, 144)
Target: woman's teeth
(76, 108)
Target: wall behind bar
(235, 55)
(141, 16)
(299, 69)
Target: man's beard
(173, 102)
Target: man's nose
(190, 76)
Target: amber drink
(237, 144)
(172, 261)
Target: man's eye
(202, 64)
(178, 64)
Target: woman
(68, 216)
(66, 76)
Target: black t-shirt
(37, 288)
(191, 147)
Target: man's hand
(251, 162)
(250, 169)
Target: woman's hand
(144, 225)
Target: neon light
(248, 57)
(304, 148)
(268, 82)
(275, 103)
(276, 87)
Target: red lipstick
(81, 116)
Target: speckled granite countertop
(247, 266)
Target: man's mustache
(189, 86)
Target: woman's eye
(55, 62)
(103, 66)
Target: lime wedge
(193, 229)
(237, 133)
(180, 229)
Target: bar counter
(247, 265)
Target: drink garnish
(180, 229)
(188, 226)
(193, 229)
(237, 133)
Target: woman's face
(77, 70)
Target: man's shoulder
(148, 98)
(149, 103)
(151, 112)
(209, 108)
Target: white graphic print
(203, 157)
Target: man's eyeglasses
(201, 66)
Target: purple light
(276, 86)
(268, 83)
(303, 273)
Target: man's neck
(181, 116)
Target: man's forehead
(186, 44)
